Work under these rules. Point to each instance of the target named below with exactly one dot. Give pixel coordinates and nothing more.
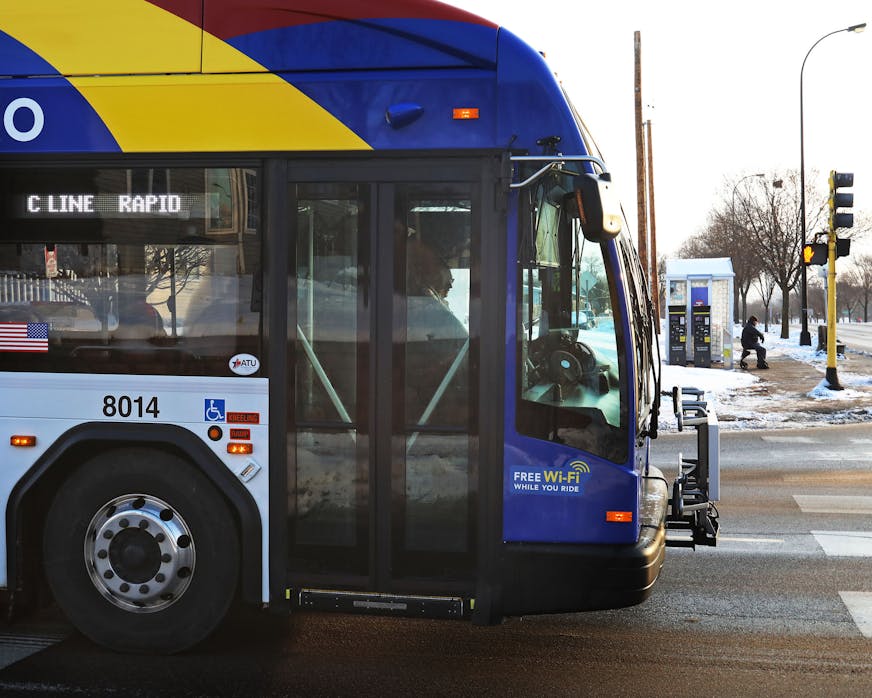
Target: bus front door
(382, 459)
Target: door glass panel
(436, 232)
(437, 493)
(433, 226)
(330, 495)
(382, 481)
(328, 491)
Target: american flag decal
(23, 336)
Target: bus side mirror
(598, 207)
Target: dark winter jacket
(750, 335)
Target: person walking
(752, 339)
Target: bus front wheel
(141, 552)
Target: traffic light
(815, 253)
(841, 199)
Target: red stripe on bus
(228, 18)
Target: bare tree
(861, 276)
(766, 286)
(772, 218)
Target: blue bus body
(562, 509)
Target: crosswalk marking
(832, 504)
(838, 456)
(845, 543)
(859, 605)
(791, 439)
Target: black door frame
(490, 173)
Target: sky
(720, 84)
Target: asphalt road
(782, 607)
(856, 336)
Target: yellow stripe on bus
(90, 37)
(149, 112)
(177, 113)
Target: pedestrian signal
(815, 253)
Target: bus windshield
(570, 372)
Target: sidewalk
(786, 388)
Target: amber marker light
(215, 433)
(22, 440)
(619, 516)
(465, 113)
(239, 449)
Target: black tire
(102, 547)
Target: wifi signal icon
(580, 467)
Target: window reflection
(135, 282)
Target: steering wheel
(568, 367)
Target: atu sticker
(244, 364)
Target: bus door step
(383, 604)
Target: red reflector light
(22, 441)
(239, 449)
(466, 113)
(619, 516)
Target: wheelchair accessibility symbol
(214, 410)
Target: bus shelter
(699, 299)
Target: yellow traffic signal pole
(838, 219)
(832, 375)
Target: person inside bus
(427, 273)
(752, 339)
(436, 339)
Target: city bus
(314, 306)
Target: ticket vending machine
(677, 335)
(700, 320)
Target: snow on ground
(743, 401)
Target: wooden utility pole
(641, 207)
(655, 277)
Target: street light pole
(804, 335)
(733, 205)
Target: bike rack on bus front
(697, 487)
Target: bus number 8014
(126, 406)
